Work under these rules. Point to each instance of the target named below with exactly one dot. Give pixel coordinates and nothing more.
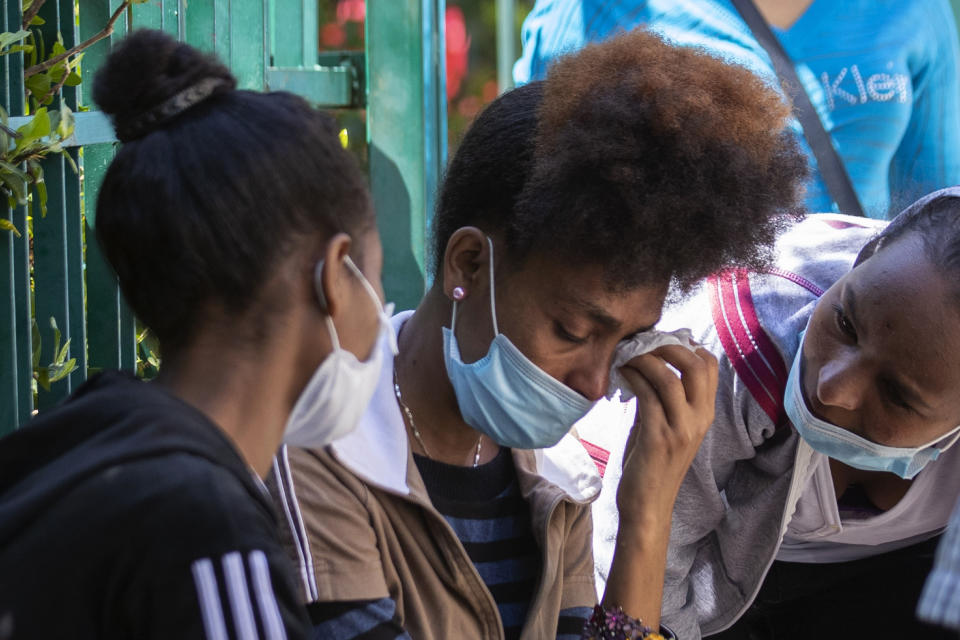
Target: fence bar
(293, 32)
(331, 87)
(248, 37)
(58, 238)
(111, 343)
(406, 133)
(506, 43)
(158, 14)
(16, 371)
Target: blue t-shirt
(881, 73)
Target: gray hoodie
(739, 494)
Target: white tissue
(637, 346)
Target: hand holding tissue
(637, 346)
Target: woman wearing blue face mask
(460, 507)
(818, 496)
(242, 234)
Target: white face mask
(339, 391)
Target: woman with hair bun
(460, 507)
(137, 510)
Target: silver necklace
(413, 425)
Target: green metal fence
(269, 44)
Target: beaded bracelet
(614, 624)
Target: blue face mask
(505, 396)
(849, 448)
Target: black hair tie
(170, 108)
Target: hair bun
(150, 78)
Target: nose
(590, 380)
(841, 383)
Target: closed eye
(564, 334)
(893, 395)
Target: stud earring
(459, 293)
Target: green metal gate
(269, 44)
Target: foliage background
(471, 27)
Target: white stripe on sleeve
(209, 596)
(269, 612)
(304, 538)
(297, 532)
(239, 595)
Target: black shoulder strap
(828, 160)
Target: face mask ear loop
(335, 341)
(953, 440)
(331, 329)
(493, 301)
(365, 282)
(381, 311)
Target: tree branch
(10, 132)
(103, 33)
(32, 13)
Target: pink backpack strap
(750, 350)
(599, 455)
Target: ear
(466, 260)
(332, 282)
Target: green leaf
(56, 334)
(37, 344)
(40, 85)
(7, 38)
(15, 185)
(73, 79)
(41, 188)
(37, 21)
(43, 378)
(58, 48)
(6, 225)
(17, 48)
(69, 159)
(6, 167)
(37, 48)
(54, 116)
(66, 123)
(63, 353)
(38, 127)
(60, 371)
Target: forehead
(586, 289)
(908, 315)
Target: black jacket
(126, 513)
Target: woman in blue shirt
(882, 75)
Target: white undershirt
(817, 533)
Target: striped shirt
(491, 519)
(940, 602)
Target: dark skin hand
(673, 415)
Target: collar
(378, 450)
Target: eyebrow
(601, 317)
(849, 300)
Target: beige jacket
(360, 526)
